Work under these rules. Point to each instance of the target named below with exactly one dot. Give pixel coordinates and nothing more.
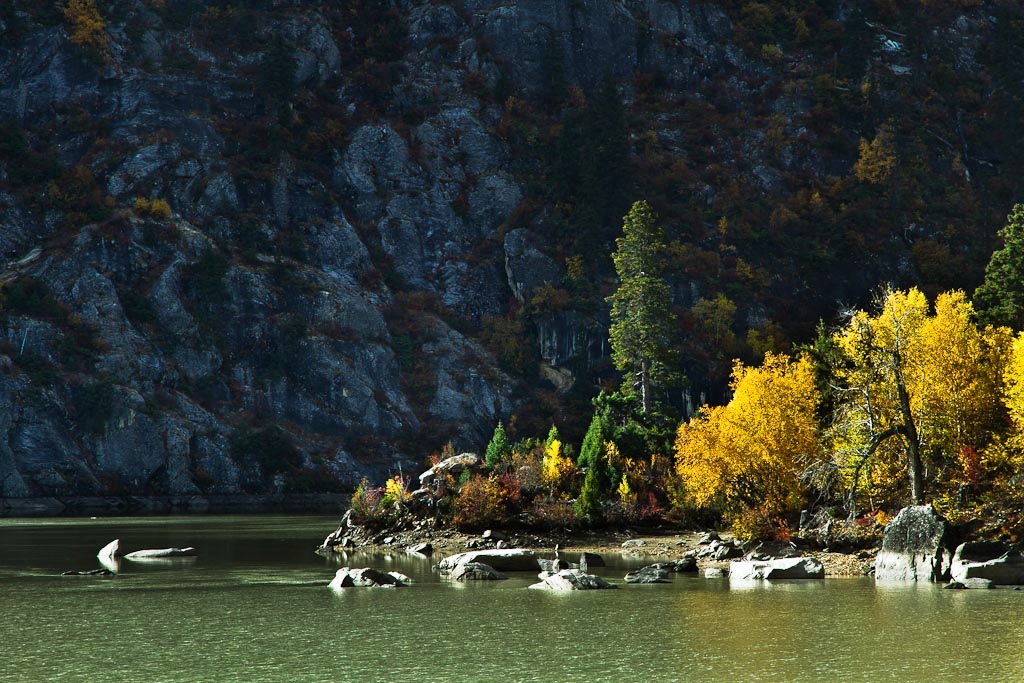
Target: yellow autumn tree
(962, 381)
(556, 468)
(918, 391)
(1004, 459)
(88, 30)
(877, 159)
(750, 453)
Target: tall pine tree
(643, 324)
(1000, 298)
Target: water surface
(254, 607)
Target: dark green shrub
(271, 447)
(94, 405)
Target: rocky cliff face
(256, 247)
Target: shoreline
(658, 546)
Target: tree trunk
(909, 432)
(645, 382)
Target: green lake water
(254, 606)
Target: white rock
(785, 568)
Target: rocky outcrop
(917, 546)
(778, 569)
(453, 467)
(991, 561)
(570, 580)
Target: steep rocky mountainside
(280, 245)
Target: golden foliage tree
(877, 159)
(917, 388)
(751, 451)
(88, 30)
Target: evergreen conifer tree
(498, 448)
(642, 326)
(1000, 298)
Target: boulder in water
(111, 550)
(917, 546)
(783, 568)
(161, 553)
(504, 560)
(570, 580)
(90, 572)
(475, 571)
(346, 577)
(650, 574)
(988, 560)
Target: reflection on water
(254, 606)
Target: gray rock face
(917, 546)
(987, 560)
(785, 568)
(604, 37)
(528, 268)
(570, 580)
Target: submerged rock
(570, 580)
(90, 572)
(974, 583)
(161, 553)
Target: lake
(254, 606)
